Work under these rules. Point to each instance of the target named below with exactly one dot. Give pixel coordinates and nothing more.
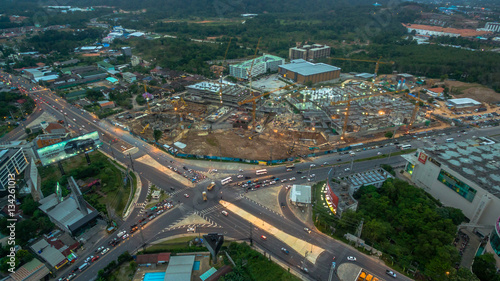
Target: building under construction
(210, 92)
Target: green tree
(29, 206)
(484, 268)
(27, 131)
(125, 256)
(24, 256)
(388, 134)
(463, 274)
(157, 134)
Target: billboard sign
(69, 148)
(422, 158)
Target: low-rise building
(260, 66)
(462, 103)
(300, 195)
(106, 66)
(106, 104)
(302, 71)
(129, 77)
(33, 270)
(435, 92)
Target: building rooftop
(179, 268)
(261, 59)
(464, 101)
(462, 32)
(306, 68)
(436, 90)
(48, 252)
(32, 270)
(301, 194)
(477, 160)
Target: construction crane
(176, 102)
(249, 72)
(220, 78)
(146, 96)
(377, 62)
(253, 100)
(415, 109)
(144, 129)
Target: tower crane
(249, 72)
(253, 100)
(415, 109)
(220, 78)
(377, 62)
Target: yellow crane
(253, 100)
(249, 72)
(175, 102)
(415, 109)
(377, 62)
(144, 129)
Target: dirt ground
(235, 143)
(474, 91)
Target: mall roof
(306, 68)
(478, 160)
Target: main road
(118, 141)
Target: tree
(388, 134)
(29, 206)
(484, 268)
(27, 131)
(24, 256)
(157, 134)
(308, 83)
(463, 274)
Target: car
(347, 169)
(390, 273)
(224, 212)
(338, 160)
(285, 251)
(186, 195)
(299, 172)
(99, 249)
(312, 165)
(303, 177)
(263, 237)
(307, 230)
(94, 259)
(351, 258)
(94, 121)
(191, 229)
(378, 153)
(282, 205)
(125, 236)
(241, 170)
(289, 169)
(283, 180)
(292, 179)
(247, 177)
(71, 276)
(240, 176)
(105, 251)
(89, 258)
(257, 186)
(312, 175)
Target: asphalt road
(232, 226)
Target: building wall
(484, 207)
(493, 26)
(316, 78)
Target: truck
(204, 193)
(211, 186)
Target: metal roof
(477, 160)
(464, 101)
(306, 68)
(179, 268)
(301, 194)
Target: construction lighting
(381, 112)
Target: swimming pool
(154, 276)
(196, 265)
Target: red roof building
(435, 92)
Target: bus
(261, 172)
(291, 166)
(405, 146)
(226, 180)
(450, 140)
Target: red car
(94, 259)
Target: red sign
(334, 199)
(422, 158)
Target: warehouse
(302, 71)
(463, 103)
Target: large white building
(492, 26)
(260, 66)
(463, 175)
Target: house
(105, 66)
(106, 104)
(129, 77)
(55, 128)
(112, 80)
(435, 92)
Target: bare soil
(474, 91)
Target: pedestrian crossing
(211, 209)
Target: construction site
(230, 120)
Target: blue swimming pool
(154, 276)
(196, 265)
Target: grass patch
(126, 271)
(212, 141)
(178, 245)
(409, 151)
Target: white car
(390, 273)
(312, 175)
(378, 153)
(347, 169)
(225, 213)
(105, 251)
(191, 229)
(312, 165)
(240, 176)
(241, 170)
(292, 179)
(351, 258)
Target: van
(83, 266)
(450, 140)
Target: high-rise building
(12, 162)
(309, 52)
